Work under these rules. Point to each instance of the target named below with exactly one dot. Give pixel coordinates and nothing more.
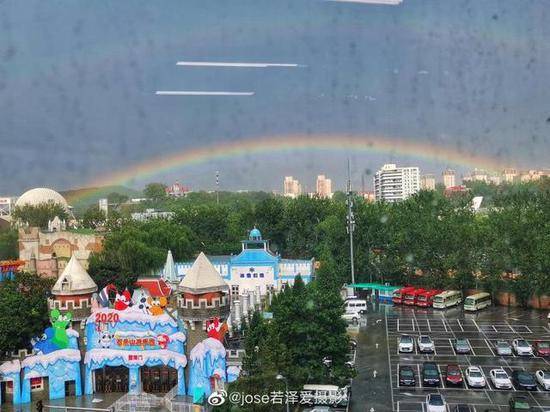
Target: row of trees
(428, 239)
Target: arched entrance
(158, 379)
(111, 379)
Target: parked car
(435, 403)
(524, 380)
(430, 374)
(406, 343)
(543, 378)
(425, 344)
(352, 316)
(541, 348)
(462, 346)
(474, 377)
(453, 376)
(461, 407)
(503, 348)
(522, 347)
(500, 379)
(406, 376)
(519, 403)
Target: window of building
(262, 275)
(36, 384)
(255, 275)
(248, 275)
(234, 289)
(242, 275)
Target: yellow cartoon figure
(157, 305)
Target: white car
(500, 379)
(352, 316)
(425, 344)
(543, 378)
(522, 347)
(474, 377)
(406, 344)
(435, 403)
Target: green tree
(25, 313)
(155, 191)
(93, 217)
(39, 215)
(8, 244)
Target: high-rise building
(479, 175)
(509, 175)
(324, 186)
(392, 183)
(449, 178)
(7, 204)
(427, 182)
(292, 187)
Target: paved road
(385, 323)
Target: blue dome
(255, 234)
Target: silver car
(503, 348)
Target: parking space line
(489, 346)
(460, 324)
(419, 376)
(495, 329)
(389, 360)
(397, 324)
(443, 320)
(412, 322)
(429, 326)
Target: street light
(280, 377)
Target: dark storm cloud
(77, 83)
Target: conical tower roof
(74, 280)
(169, 273)
(202, 278)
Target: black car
(462, 408)
(406, 376)
(519, 403)
(524, 380)
(430, 374)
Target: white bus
(356, 306)
(447, 299)
(477, 301)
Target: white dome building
(35, 197)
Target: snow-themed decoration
(140, 300)
(133, 338)
(207, 360)
(59, 366)
(45, 360)
(157, 305)
(72, 333)
(233, 373)
(11, 371)
(10, 367)
(97, 358)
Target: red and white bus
(410, 297)
(426, 299)
(397, 297)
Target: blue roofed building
(255, 267)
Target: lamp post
(350, 225)
(280, 377)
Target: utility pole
(351, 223)
(217, 187)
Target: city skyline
(78, 100)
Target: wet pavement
(376, 386)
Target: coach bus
(447, 299)
(426, 299)
(477, 301)
(410, 298)
(398, 295)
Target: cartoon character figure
(103, 297)
(157, 305)
(140, 301)
(216, 329)
(43, 344)
(122, 301)
(163, 340)
(60, 323)
(105, 339)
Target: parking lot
(482, 330)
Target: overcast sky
(78, 81)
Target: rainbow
(293, 143)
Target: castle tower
(203, 294)
(73, 292)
